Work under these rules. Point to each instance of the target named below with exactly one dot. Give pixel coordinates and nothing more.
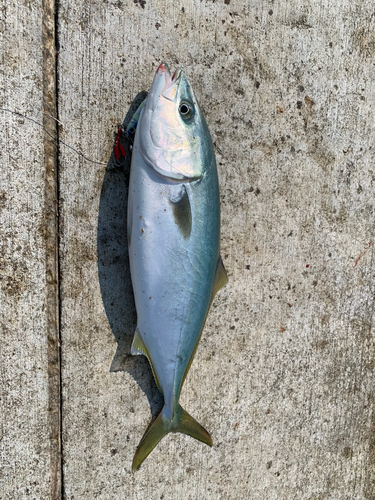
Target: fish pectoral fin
(181, 210)
(181, 422)
(138, 347)
(221, 278)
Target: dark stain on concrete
(363, 40)
(3, 199)
(321, 344)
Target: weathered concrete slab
(29, 359)
(283, 378)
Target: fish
(173, 230)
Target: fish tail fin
(155, 433)
(185, 423)
(181, 422)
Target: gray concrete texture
(29, 358)
(283, 376)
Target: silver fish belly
(174, 243)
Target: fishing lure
(118, 147)
(174, 243)
(127, 132)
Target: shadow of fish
(174, 243)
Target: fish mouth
(171, 82)
(163, 69)
(164, 85)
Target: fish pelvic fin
(181, 422)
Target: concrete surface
(283, 376)
(29, 353)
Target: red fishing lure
(118, 147)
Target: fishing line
(58, 141)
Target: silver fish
(174, 243)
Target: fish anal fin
(138, 347)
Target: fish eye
(186, 110)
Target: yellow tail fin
(182, 422)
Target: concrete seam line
(51, 224)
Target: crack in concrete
(51, 222)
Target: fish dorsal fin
(138, 347)
(221, 278)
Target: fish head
(173, 131)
